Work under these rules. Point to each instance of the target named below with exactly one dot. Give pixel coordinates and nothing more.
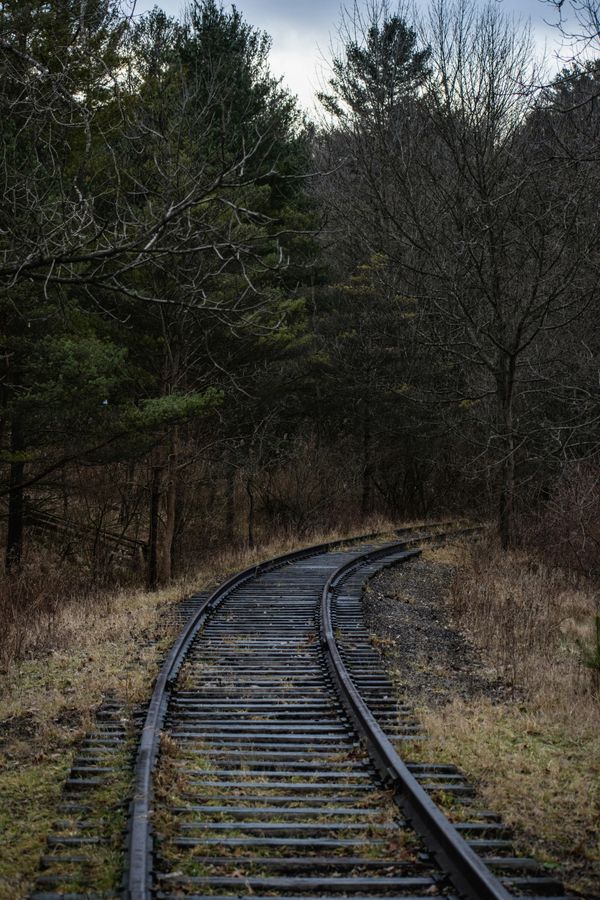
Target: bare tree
(578, 22)
(482, 225)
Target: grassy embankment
(536, 760)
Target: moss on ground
(28, 798)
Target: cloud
(301, 33)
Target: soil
(431, 661)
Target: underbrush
(33, 602)
(565, 531)
(49, 605)
(536, 624)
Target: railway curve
(279, 774)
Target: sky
(302, 34)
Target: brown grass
(50, 605)
(535, 760)
(451, 553)
(32, 601)
(531, 620)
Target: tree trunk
(124, 509)
(14, 534)
(179, 523)
(153, 535)
(250, 514)
(229, 502)
(507, 496)
(365, 502)
(422, 498)
(171, 510)
(506, 514)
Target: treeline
(222, 322)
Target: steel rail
(467, 871)
(138, 868)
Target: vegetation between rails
(105, 645)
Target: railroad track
(267, 765)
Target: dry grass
(532, 621)
(536, 760)
(47, 704)
(539, 770)
(452, 553)
(63, 653)
(49, 606)
(32, 602)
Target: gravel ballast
(407, 613)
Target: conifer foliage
(151, 204)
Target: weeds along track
(268, 767)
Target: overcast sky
(302, 30)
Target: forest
(224, 320)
